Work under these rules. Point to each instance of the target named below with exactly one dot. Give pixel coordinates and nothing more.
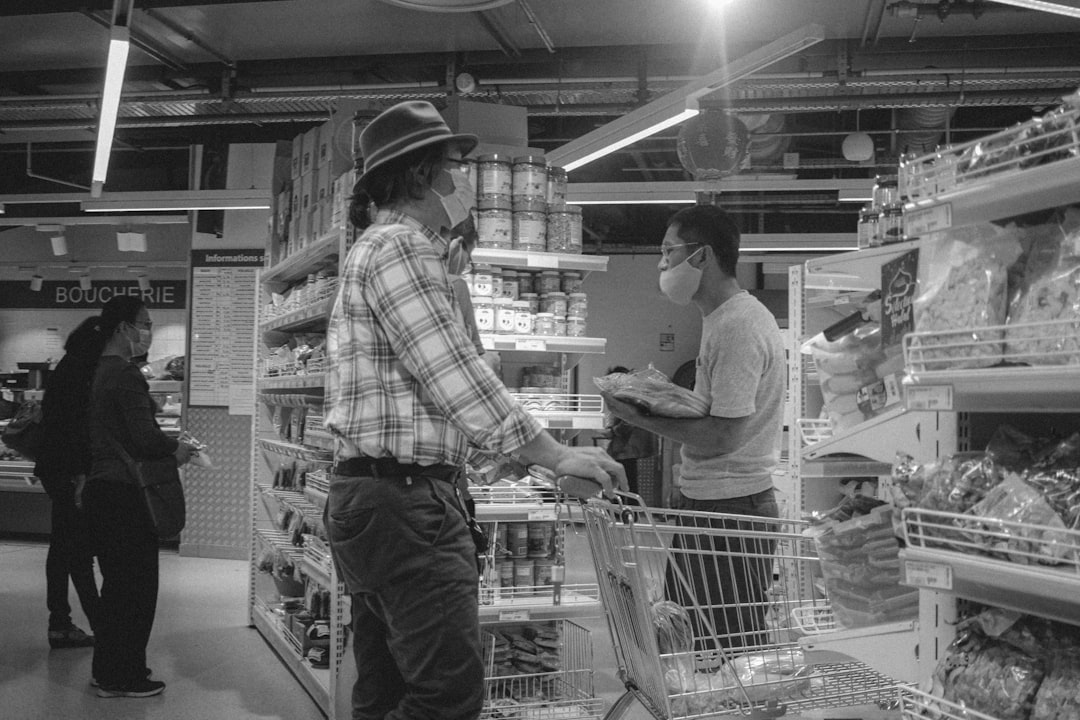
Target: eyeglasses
(147, 325)
(665, 250)
(463, 166)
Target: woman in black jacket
(122, 430)
(62, 469)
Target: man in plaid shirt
(408, 399)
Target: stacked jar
(556, 185)
(564, 229)
(494, 202)
(483, 301)
(890, 211)
(529, 203)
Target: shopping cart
(700, 609)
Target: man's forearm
(707, 432)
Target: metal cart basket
(699, 606)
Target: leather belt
(387, 467)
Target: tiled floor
(216, 667)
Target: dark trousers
(725, 578)
(70, 556)
(406, 556)
(128, 557)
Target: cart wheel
(628, 707)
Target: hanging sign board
(68, 295)
(898, 286)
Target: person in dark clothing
(628, 443)
(63, 469)
(122, 429)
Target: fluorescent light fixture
(679, 104)
(84, 282)
(650, 129)
(36, 282)
(685, 191)
(119, 44)
(798, 242)
(59, 245)
(122, 219)
(1068, 8)
(131, 242)
(158, 200)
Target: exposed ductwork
(921, 129)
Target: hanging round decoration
(712, 144)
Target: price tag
(513, 615)
(561, 424)
(934, 576)
(487, 342)
(918, 223)
(542, 515)
(541, 260)
(930, 397)
(530, 344)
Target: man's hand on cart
(591, 463)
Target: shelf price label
(933, 576)
(918, 223)
(930, 397)
(542, 260)
(514, 616)
(541, 515)
(487, 342)
(530, 344)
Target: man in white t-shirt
(728, 457)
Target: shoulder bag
(163, 491)
(23, 433)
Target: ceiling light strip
(1067, 8)
(119, 44)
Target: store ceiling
(217, 72)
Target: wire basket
(1051, 343)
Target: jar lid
(508, 273)
(573, 209)
(557, 171)
(545, 315)
(549, 272)
(503, 300)
(529, 204)
(528, 295)
(571, 273)
(494, 157)
(581, 295)
(521, 304)
(531, 159)
(493, 202)
(481, 267)
(575, 319)
(556, 294)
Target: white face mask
(682, 281)
(459, 203)
(142, 345)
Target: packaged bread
(963, 297)
(654, 393)
(1044, 316)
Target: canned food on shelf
(484, 313)
(495, 175)
(577, 303)
(554, 303)
(549, 282)
(532, 299)
(482, 283)
(544, 324)
(494, 228)
(530, 230)
(529, 178)
(504, 316)
(510, 284)
(556, 185)
(575, 326)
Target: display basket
(918, 705)
(277, 367)
(700, 607)
(1052, 343)
(1051, 138)
(562, 689)
(814, 430)
(1057, 549)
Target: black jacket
(65, 419)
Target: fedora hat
(403, 128)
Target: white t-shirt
(742, 369)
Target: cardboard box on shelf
(322, 182)
(309, 157)
(296, 164)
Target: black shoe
(69, 637)
(143, 688)
(94, 681)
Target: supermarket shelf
(543, 343)
(577, 601)
(998, 196)
(1030, 589)
(315, 681)
(316, 572)
(855, 271)
(996, 389)
(16, 476)
(298, 451)
(320, 254)
(281, 383)
(880, 438)
(539, 260)
(918, 705)
(304, 318)
(890, 648)
(843, 466)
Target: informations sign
(221, 364)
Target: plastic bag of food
(674, 634)
(963, 289)
(1044, 316)
(654, 393)
(989, 676)
(775, 675)
(844, 367)
(1040, 535)
(1057, 698)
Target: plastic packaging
(654, 393)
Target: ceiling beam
(12, 8)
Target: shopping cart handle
(578, 487)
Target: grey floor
(216, 667)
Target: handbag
(163, 491)
(23, 433)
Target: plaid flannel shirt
(404, 377)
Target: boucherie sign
(67, 294)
